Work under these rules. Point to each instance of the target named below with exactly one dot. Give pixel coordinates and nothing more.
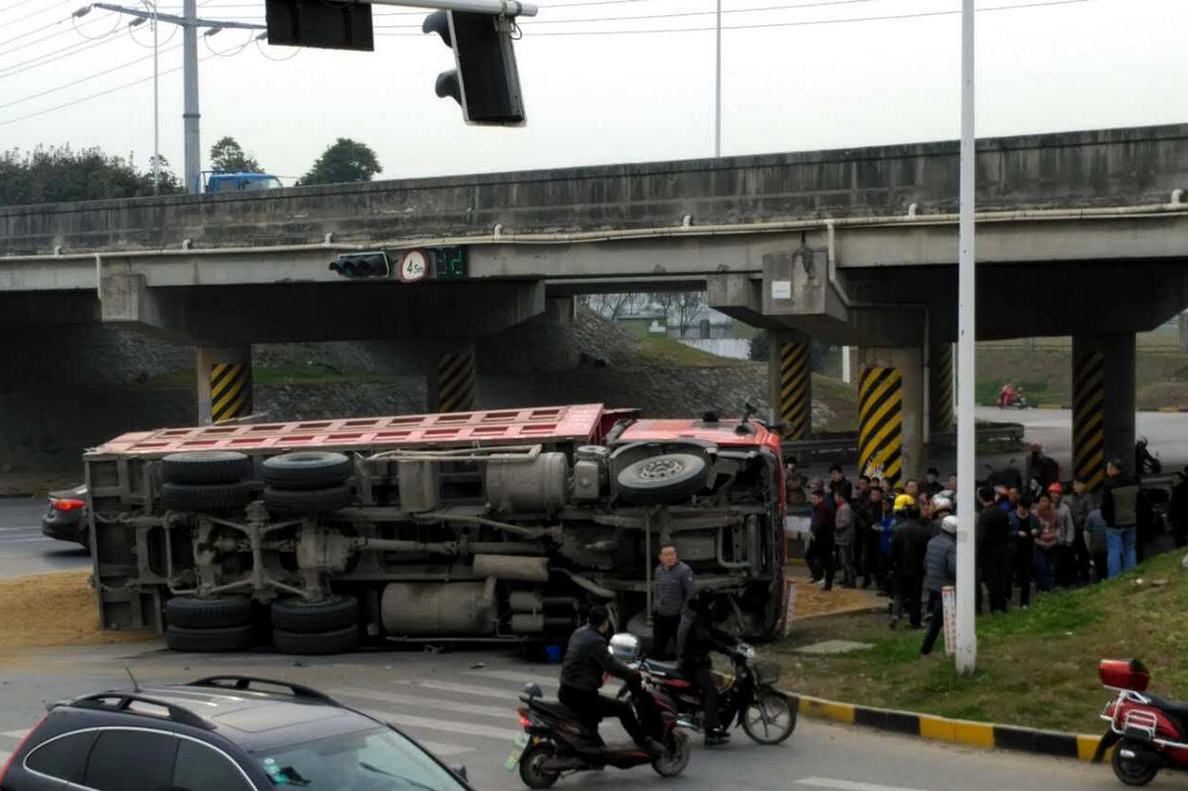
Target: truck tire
(208, 613)
(294, 615)
(338, 641)
(207, 497)
(307, 501)
(225, 638)
(306, 470)
(207, 466)
(667, 479)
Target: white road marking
(499, 712)
(461, 689)
(449, 726)
(15, 734)
(511, 675)
(846, 785)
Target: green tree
(58, 174)
(346, 160)
(226, 154)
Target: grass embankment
(54, 609)
(1036, 668)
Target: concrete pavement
(24, 550)
(461, 706)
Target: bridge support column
(890, 414)
(1103, 377)
(452, 379)
(940, 389)
(224, 383)
(789, 374)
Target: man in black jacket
(909, 544)
(696, 637)
(586, 661)
(993, 535)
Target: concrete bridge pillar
(224, 383)
(452, 379)
(789, 374)
(890, 414)
(940, 388)
(1103, 377)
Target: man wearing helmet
(909, 543)
(696, 637)
(940, 569)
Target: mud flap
(1107, 741)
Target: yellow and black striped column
(453, 385)
(224, 383)
(940, 388)
(880, 424)
(795, 390)
(1089, 407)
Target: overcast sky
(617, 96)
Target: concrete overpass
(1081, 234)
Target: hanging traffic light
(486, 81)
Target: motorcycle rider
(696, 637)
(586, 661)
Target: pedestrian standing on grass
(1046, 542)
(994, 550)
(940, 569)
(909, 544)
(871, 519)
(1026, 529)
(1080, 503)
(673, 585)
(1119, 507)
(1064, 555)
(844, 531)
(860, 504)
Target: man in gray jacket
(673, 585)
(940, 569)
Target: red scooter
(1148, 732)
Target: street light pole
(967, 637)
(156, 105)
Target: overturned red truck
(498, 525)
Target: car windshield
(253, 185)
(377, 760)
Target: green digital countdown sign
(449, 262)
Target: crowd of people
(1045, 535)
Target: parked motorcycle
(1148, 732)
(555, 741)
(746, 697)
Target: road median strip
(940, 729)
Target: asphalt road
(24, 550)
(461, 706)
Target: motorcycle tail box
(1124, 674)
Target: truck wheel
(225, 638)
(207, 496)
(208, 613)
(307, 501)
(306, 470)
(666, 479)
(338, 641)
(207, 466)
(294, 615)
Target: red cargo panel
(578, 423)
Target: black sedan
(66, 516)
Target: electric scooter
(1147, 732)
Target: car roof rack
(124, 701)
(244, 683)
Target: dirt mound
(55, 609)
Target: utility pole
(718, 87)
(189, 22)
(967, 636)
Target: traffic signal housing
(361, 265)
(485, 81)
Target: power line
(14, 5)
(38, 12)
(534, 23)
(804, 23)
(47, 58)
(84, 79)
(72, 29)
(94, 95)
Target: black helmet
(703, 600)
